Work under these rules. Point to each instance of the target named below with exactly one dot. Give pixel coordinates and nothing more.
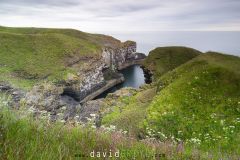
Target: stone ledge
(109, 84)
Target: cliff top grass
(164, 59)
(32, 54)
(23, 137)
(197, 103)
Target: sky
(123, 15)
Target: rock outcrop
(47, 97)
(92, 82)
(117, 58)
(15, 94)
(69, 98)
(87, 83)
(96, 109)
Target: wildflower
(222, 122)
(63, 108)
(195, 140)
(232, 127)
(88, 119)
(213, 115)
(238, 120)
(93, 115)
(112, 127)
(4, 102)
(196, 77)
(162, 135)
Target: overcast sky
(123, 15)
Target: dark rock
(48, 97)
(89, 109)
(147, 75)
(16, 94)
(4, 87)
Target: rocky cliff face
(62, 101)
(93, 80)
(88, 82)
(116, 58)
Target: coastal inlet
(134, 77)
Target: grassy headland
(164, 59)
(191, 111)
(196, 102)
(32, 54)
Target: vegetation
(32, 54)
(197, 104)
(164, 59)
(129, 112)
(23, 137)
(191, 111)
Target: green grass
(199, 102)
(129, 112)
(195, 98)
(23, 137)
(32, 54)
(164, 59)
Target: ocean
(221, 41)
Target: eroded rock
(15, 94)
(47, 97)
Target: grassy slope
(130, 111)
(30, 54)
(197, 102)
(164, 59)
(200, 101)
(27, 138)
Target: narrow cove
(134, 77)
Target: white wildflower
(232, 127)
(93, 115)
(195, 140)
(222, 122)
